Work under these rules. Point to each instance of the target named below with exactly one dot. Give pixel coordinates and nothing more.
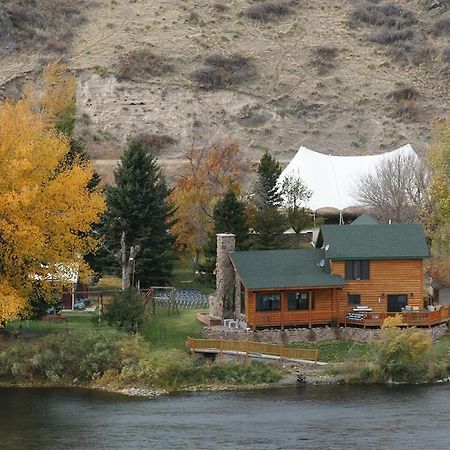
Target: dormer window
(357, 270)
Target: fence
(248, 347)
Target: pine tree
(269, 227)
(229, 217)
(267, 191)
(269, 223)
(138, 219)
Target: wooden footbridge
(259, 350)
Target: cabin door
(395, 303)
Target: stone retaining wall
(294, 335)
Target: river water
(310, 417)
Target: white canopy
(333, 179)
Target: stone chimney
(225, 277)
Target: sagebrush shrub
(268, 10)
(220, 71)
(141, 63)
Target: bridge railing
(247, 347)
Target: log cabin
(355, 274)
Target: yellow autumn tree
(46, 207)
(439, 156)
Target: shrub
(322, 58)
(402, 355)
(389, 36)
(384, 15)
(126, 310)
(155, 142)
(220, 7)
(43, 23)
(406, 110)
(81, 356)
(222, 71)
(446, 55)
(408, 53)
(268, 10)
(441, 28)
(404, 93)
(141, 63)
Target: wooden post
(221, 349)
(310, 307)
(281, 310)
(334, 305)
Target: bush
(446, 55)
(155, 142)
(322, 58)
(384, 15)
(404, 93)
(405, 109)
(126, 310)
(402, 355)
(441, 28)
(43, 23)
(268, 10)
(220, 71)
(388, 36)
(141, 63)
(111, 358)
(68, 356)
(409, 53)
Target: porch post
(310, 307)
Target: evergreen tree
(269, 223)
(229, 217)
(138, 219)
(267, 191)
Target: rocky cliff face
(339, 76)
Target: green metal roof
(365, 219)
(282, 269)
(396, 241)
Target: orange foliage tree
(46, 207)
(211, 170)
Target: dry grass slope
(339, 76)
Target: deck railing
(248, 347)
(409, 318)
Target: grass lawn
(336, 351)
(171, 330)
(183, 276)
(73, 320)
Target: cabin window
(268, 302)
(299, 301)
(354, 299)
(357, 270)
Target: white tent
(333, 179)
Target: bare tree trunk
(127, 261)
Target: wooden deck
(411, 318)
(253, 350)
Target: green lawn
(336, 351)
(73, 320)
(171, 330)
(183, 276)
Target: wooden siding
(321, 314)
(386, 277)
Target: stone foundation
(295, 335)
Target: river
(310, 417)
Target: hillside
(338, 76)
